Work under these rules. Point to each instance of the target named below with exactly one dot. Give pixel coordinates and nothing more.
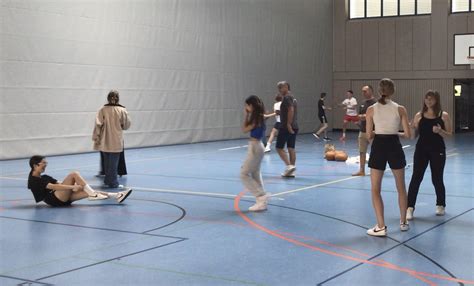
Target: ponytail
(386, 89)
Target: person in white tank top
(387, 116)
(276, 126)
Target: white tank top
(386, 117)
(276, 107)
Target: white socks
(89, 190)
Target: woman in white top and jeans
(386, 147)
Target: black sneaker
(327, 139)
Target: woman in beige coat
(110, 122)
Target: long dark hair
(386, 88)
(35, 160)
(437, 106)
(258, 109)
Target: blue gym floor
(186, 223)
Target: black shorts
(284, 137)
(323, 118)
(387, 149)
(53, 201)
(277, 125)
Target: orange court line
(333, 253)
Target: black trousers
(437, 160)
(122, 167)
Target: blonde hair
(386, 88)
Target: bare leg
(75, 196)
(399, 175)
(272, 136)
(322, 129)
(292, 153)
(362, 160)
(344, 126)
(283, 156)
(74, 178)
(377, 202)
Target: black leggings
(437, 160)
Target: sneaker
(376, 231)
(440, 210)
(404, 226)
(327, 139)
(289, 169)
(410, 211)
(290, 175)
(121, 196)
(113, 186)
(342, 138)
(316, 136)
(260, 205)
(267, 149)
(97, 196)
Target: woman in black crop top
(59, 194)
(432, 125)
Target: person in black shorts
(288, 129)
(59, 194)
(322, 117)
(386, 147)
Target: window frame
(391, 16)
(471, 8)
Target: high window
(359, 9)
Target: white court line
(155, 190)
(128, 161)
(332, 182)
(230, 148)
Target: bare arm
(269, 115)
(369, 116)
(414, 125)
(61, 187)
(291, 114)
(404, 118)
(448, 131)
(246, 126)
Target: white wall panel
(183, 68)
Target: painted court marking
(411, 272)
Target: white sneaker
(376, 231)
(410, 211)
(97, 196)
(260, 205)
(267, 149)
(289, 170)
(316, 136)
(440, 210)
(404, 226)
(121, 196)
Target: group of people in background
(379, 121)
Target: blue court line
(95, 228)
(25, 280)
(403, 243)
(108, 260)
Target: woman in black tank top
(432, 125)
